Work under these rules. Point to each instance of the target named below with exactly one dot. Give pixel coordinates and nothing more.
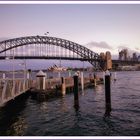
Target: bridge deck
(47, 57)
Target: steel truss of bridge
(46, 47)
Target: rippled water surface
(58, 117)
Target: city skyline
(99, 27)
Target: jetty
(42, 86)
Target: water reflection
(99, 89)
(63, 104)
(43, 106)
(18, 128)
(10, 117)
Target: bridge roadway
(114, 62)
(48, 57)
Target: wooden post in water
(82, 82)
(76, 98)
(103, 77)
(115, 76)
(69, 73)
(107, 94)
(28, 74)
(95, 82)
(29, 77)
(63, 86)
(3, 76)
(41, 79)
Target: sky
(99, 27)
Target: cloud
(101, 45)
(138, 49)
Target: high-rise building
(134, 57)
(123, 54)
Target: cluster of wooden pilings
(45, 87)
(64, 84)
(48, 87)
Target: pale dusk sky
(102, 27)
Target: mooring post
(41, 80)
(3, 76)
(69, 73)
(29, 74)
(107, 93)
(63, 86)
(95, 81)
(103, 77)
(76, 98)
(29, 78)
(82, 82)
(115, 76)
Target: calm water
(58, 117)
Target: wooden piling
(115, 76)
(107, 94)
(82, 82)
(95, 81)
(29, 77)
(76, 98)
(3, 76)
(63, 86)
(69, 73)
(103, 77)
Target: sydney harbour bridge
(46, 47)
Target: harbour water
(57, 117)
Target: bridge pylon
(106, 60)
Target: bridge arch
(92, 57)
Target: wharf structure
(43, 86)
